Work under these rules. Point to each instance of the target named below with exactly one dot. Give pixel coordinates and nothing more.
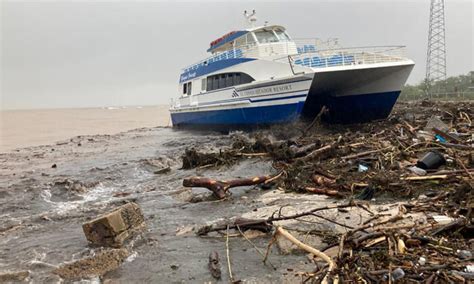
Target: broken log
(221, 188)
(241, 223)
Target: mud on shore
(47, 193)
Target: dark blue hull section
(247, 117)
(353, 108)
(343, 109)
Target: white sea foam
(98, 192)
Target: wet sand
(43, 208)
(24, 128)
(47, 192)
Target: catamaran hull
(357, 94)
(351, 95)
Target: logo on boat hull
(235, 94)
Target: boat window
(189, 88)
(226, 80)
(250, 39)
(237, 79)
(215, 84)
(245, 79)
(266, 36)
(240, 41)
(203, 84)
(185, 87)
(222, 81)
(229, 80)
(282, 35)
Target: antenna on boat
(251, 18)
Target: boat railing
(347, 56)
(236, 52)
(315, 53)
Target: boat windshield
(266, 36)
(282, 35)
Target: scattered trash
(464, 254)
(431, 160)
(436, 122)
(441, 219)
(398, 274)
(362, 168)
(422, 261)
(418, 171)
(440, 138)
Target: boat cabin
(231, 49)
(249, 38)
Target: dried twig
(229, 267)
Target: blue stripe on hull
(342, 109)
(240, 116)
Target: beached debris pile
(364, 160)
(426, 239)
(424, 150)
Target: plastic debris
(441, 219)
(464, 254)
(417, 171)
(422, 261)
(440, 138)
(396, 274)
(436, 122)
(431, 160)
(362, 168)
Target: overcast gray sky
(103, 53)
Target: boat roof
(229, 37)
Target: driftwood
(307, 248)
(265, 225)
(316, 153)
(221, 188)
(418, 178)
(241, 223)
(361, 154)
(323, 191)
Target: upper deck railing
(347, 56)
(314, 53)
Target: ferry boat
(262, 76)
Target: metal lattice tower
(436, 59)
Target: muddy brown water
(43, 207)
